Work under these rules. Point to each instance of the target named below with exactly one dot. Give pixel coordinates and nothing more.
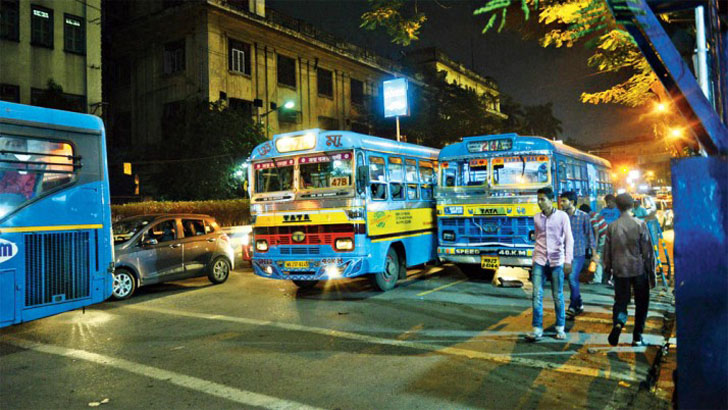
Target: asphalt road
(436, 341)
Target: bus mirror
(362, 178)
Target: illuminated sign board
(296, 143)
(395, 98)
(490, 145)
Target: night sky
(523, 69)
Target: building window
(54, 99)
(9, 20)
(173, 119)
(357, 92)
(74, 34)
(174, 57)
(328, 123)
(324, 82)
(239, 56)
(242, 106)
(41, 26)
(10, 93)
(286, 71)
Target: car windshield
(522, 170)
(273, 176)
(326, 170)
(126, 228)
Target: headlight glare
(261, 245)
(344, 244)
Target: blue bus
(337, 204)
(55, 220)
(486, 198)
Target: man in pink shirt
(552, 255)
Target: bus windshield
(522, 170)
(326, 170)
(472, 172)
(273, 176)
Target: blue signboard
(395, 98)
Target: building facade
(50, 54)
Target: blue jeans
(575, 296)
(623, 288)
(557, 290)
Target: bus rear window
(522, 170)
(30, 167)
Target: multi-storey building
(58, 41)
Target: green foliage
(388, 14)
(227, 213)
(200, 163)
(538, 120)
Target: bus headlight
(448, 235)
(261, 245)
(344, 244)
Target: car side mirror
(362, 178)
(150, 242)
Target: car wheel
(219, 270)
(387, 279)
(124, 284)
(305, 284)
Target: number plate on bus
(489, 262)
(295, 264)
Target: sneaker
(640, 342)
(535, 336)
(614, 334)
(610, 283)
(560, 334)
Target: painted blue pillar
(700, 201)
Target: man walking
(610, 213)
(628, 255)
(552, 254)
(600, 231)
(583, 234)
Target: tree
(567, 22)
(201, 163)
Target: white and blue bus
(337, 204)
(56, 251)
(486, 198)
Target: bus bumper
(523, 262)
(317, 269)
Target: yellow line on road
(442, 287)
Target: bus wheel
(124, 284)
(305, 284)
(387, 279)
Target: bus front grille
(299, 250)
(56, 267)
(504, 230)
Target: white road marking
(630, 375)
(193, 383)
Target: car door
(197, 246)
(160, 256)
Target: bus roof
(48, 118)
(317, 140)
(520, 143)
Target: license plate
(295, 264)
(489, 262)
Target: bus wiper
(523, 159)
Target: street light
(676, 133)
(660, 107)
(274, 107)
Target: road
(437, 341)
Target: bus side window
(396, 177)
(412, 180)
(377, 178)
(426, 179)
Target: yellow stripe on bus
(491, 210)
(303, 218)
(50, 228)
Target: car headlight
(261, 245)
(448, 235)
(344, 244)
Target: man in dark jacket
(629, 256)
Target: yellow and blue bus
(337, 204)
(486, 197)
(56, 251)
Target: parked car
(664, 212)
(160, 248)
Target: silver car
(160, 248)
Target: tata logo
(488, 211)
(298, 236)
(7, 250)
(287, 219)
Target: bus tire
(219, 270)
(387, 279)
(470, 270)
(305, 284)
(124, 285)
